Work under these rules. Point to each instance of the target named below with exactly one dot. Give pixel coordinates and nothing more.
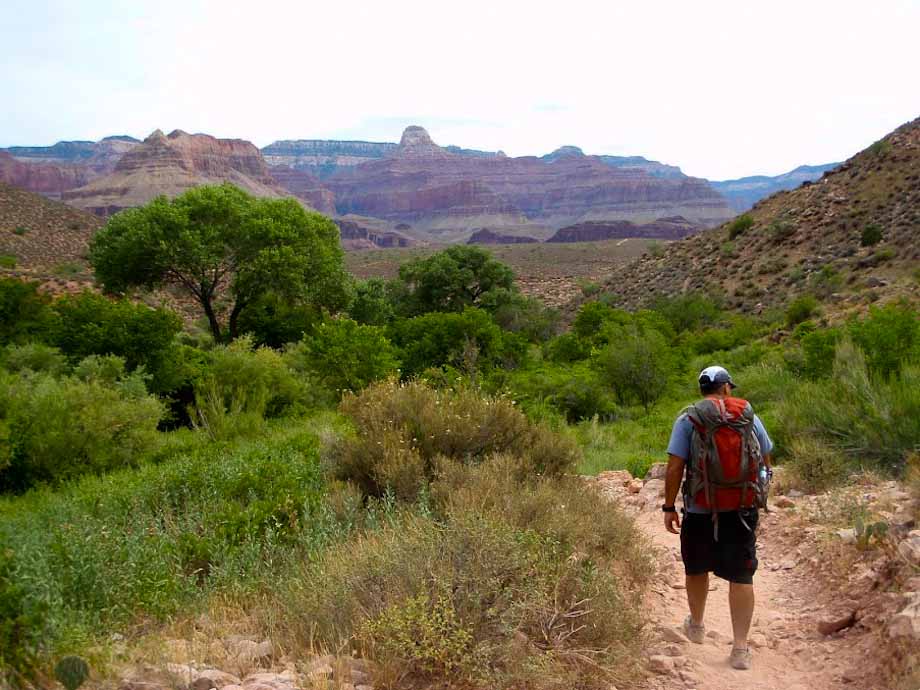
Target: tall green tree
(220, 244)
(452, 280)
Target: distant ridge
(819, 238)
(747, 191)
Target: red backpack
(723, 472)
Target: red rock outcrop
(486, 236)
(354, 235)
(448, 194)
(170, 165)
(49, 179)
(673, 228)
(305, 186)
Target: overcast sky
(721, 88)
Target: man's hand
(672, 522)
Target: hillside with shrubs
(850, 237)
(381, 471)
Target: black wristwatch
(668, 509)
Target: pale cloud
(721, 88)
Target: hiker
(724, 450)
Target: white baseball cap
(715, 374)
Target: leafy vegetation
(740, 225)
(215, 239)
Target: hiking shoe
(741, 659)
(695, 632)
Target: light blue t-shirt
(682, 434)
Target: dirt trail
(789, 653)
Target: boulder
(906, 623)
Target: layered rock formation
(356, 235)
(673, 228)
(169, 165)
(52, 170)
(808, 240)
(306, 187)
(486, 236)
(447, 195)
(747, 191)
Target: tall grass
(107, 553)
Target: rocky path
(828, 615)
(789, 653)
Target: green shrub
(372, 303)
(689, 312)
(7, 261)
(34, 357)
(24, 312)
(780, 230)
(590, 318)
(637, 366)
(403, 429)
(63, 428)
(871, 422)
(506, 591)
(68, 269)
(576, 392)
(469, 341)
(567, 347)
(518, 313)
(740, 225)
(22, 629)
(136, 546)
(655, 249)
(815, 466)
(241, 386)
(801, 309)
(889, 336)
(71, 672)
(274, 321)
(871, 235)
(451, 280)
(90, 324)
(20, 230)
(345, 355)
(819, 349)
(826, 282)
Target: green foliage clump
(819, 348)
(219, 241)
(345, 355)
(24, 312)
(871, 235)
(452, 280)
(637, 365)
(869, 421)
(275, 322)
(7, 261)
(574, 391)
(801, 309)
(71, 672)
(889, 336)
(469, 341)
(90, 324)
(814, 465)
(147, 543)
(691, 311)
(405, 430)
(567, 348)
(241, 385)
(373, 302)
(740, 225)
(61, 428)
(22, 629)
(20, 230)
(826, 282)
(517, 313)
(34, 357)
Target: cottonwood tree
(225, 248)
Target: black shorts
(733, 557)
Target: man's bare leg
(697, 591)
(741, 604)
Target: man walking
(721, 451)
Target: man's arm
(672, 479)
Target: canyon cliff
(445, 195)
(170, 165)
